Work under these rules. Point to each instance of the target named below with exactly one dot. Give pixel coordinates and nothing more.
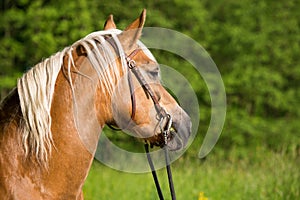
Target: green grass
(259, 174)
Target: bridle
(135, 70)
(162, 115)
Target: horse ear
(110, 24)
(133, 32)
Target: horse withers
(51, 122)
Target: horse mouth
(177, 137)
(159, 139)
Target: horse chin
(176, 143)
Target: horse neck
(75, 128)
(70, 160)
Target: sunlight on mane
(36, 88)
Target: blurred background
(256, 47)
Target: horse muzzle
(180, 132)
(177, 135)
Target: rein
(162, 114)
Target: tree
(255, 44)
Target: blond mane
(36, 88)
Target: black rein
(161, 114)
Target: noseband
(161, 114)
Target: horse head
(144, 107)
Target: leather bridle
(162, 115)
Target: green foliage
(255, 44)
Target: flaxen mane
(36, 88)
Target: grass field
(258, 175)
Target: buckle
(131, 63)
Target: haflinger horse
(50, 123)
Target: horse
(51, 121)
